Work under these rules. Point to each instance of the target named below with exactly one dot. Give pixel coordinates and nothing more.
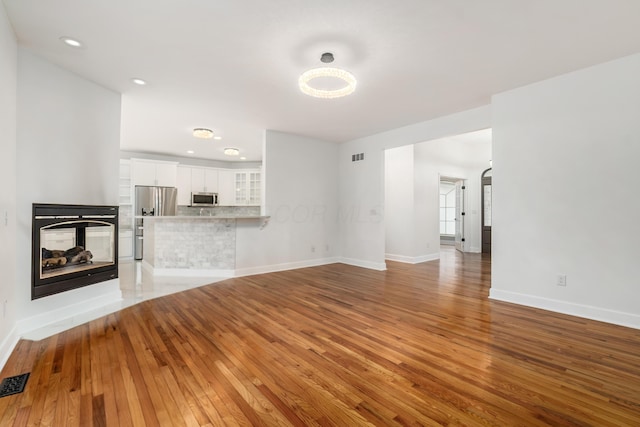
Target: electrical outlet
(561, 280)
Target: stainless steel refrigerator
(151, 201)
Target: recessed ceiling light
(202, 133)
(243, 158)
(190, 151)
(71, 42)
(231, 151)
(138, 81)
(217, 138)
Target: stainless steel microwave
(204, 199)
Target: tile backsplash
(218, 211)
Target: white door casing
(460, 214)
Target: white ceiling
(233, 65)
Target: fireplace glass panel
(76, 246)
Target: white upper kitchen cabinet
(241, 187)
(204, 180)
(248, 187)
(154, 172)
(226, 187)
(183, 183)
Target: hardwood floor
(333, 345)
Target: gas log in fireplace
(73, 246)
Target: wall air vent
(357, 157)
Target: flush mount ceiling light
(138, 81)
(327, 72)
(231, 151)
(202, 133)
(71, 42)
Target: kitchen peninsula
(194, 245)
(198, 238)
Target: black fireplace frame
(44, 214)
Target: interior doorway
(452, 212)
(415, 230)
(486, 210)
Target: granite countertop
(203, 217)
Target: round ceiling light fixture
(231, 151)
(203, 133)
(327, 72)
(139, 81)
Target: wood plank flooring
(333, 346)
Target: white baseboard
(380, 266)
(412, 260)
(285, 266)
(186, 272)
(588, 312)
(7, 346)
(239, 272)
(263, 269)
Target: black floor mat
(13, 385)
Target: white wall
(399, 204)
(68, 152)
(565, 181)
(427, 203)
(8, 87)
(362, 227)
(301, 187)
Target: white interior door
(460, 188)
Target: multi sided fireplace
(73, 246)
